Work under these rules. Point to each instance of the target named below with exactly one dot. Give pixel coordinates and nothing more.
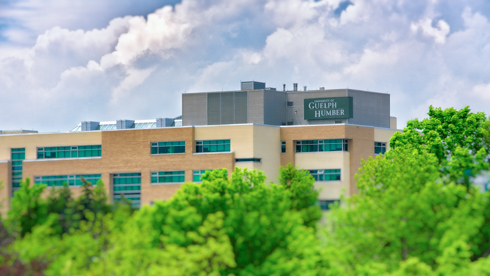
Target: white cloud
(138, 66)
(438, 33)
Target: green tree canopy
(459, 139)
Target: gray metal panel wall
(227, 108)
(255, 107)
(274, 107)
(214, 108)
(194, 109)
(241, 107)
(370, 109)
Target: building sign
(328, 108)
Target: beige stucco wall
(249, 141)
(267, 146)
(393, 122)
(327, 160)
(241, 137)
(384, 135)
(31, 141)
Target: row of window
(322, 145)
(71, 180)
(69, 152)
(326, 175)
(123, 181)
(329, 145)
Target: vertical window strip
(283, 146)
(127, 185)
(18, 155)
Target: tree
(412, 216)
(236, 225)
(455, 137)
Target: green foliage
(411, 216)
(459, 139)
(27, 208)
(224, 226)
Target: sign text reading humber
(328, 108)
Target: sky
(63, 62)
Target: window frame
(201, 145)
(156, 176)
(323, 145)
(63, 152)
(72, 180)
(381, 146)
(159, 148)
(320, 175)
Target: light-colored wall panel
(31, 141)
(327, 160)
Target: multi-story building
(327, 132)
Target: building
(327, 132)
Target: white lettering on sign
(325, 108)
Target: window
(70, 180)
(326, 204)
(167, 177)
(321, 145)
(289, 104)
(379, 147)
(127, 185)
(168, 147)
(17, 156)
(213, 146)
(69, 152)
(283, 146)
(325, 175)
(247, 160)
(197, 175)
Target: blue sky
(62, 62)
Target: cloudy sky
(64, 61)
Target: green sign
(328, 108)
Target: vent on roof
(89, 125)
(124, 124)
